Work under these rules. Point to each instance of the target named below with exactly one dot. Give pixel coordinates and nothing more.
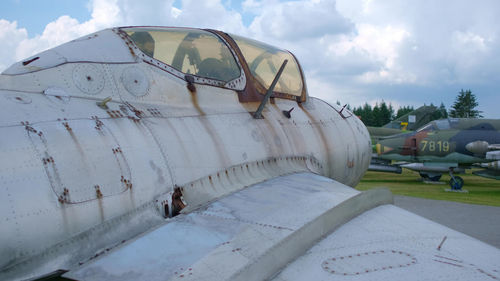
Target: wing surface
(254, 233)
(389, 243)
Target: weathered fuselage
(77, 178)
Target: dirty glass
(264, 62)
(195, 52)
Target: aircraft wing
(300, 226)
(389, 243)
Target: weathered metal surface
(156, 148)
(78, 178)
(236, 231)
(135, 81)
(388, 243)
(100, 47)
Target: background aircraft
(149, 153)
(408, 122)
(446, 146)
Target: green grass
(482, 191)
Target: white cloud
(469, 40)
(10, 36)
(379, 45)
(58, 32)
(209, 14)
(298, 20)
(251, 5)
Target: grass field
(482, 191)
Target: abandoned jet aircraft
(149, 153)
(446, 146)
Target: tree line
(383, 113)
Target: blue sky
(35, 14)
(355, 51)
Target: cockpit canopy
(265, 60)
(442, 124)
(191, 51)
(202, 53)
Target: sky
(404, 52)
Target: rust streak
(321, 134)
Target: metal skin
(81, 173)
(443, 146)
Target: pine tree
(404, 110)
(464, 106)
(442, 113)
(365, 114)
(376, 115)
(385, 115)
(391, 111)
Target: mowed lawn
(482, 191)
